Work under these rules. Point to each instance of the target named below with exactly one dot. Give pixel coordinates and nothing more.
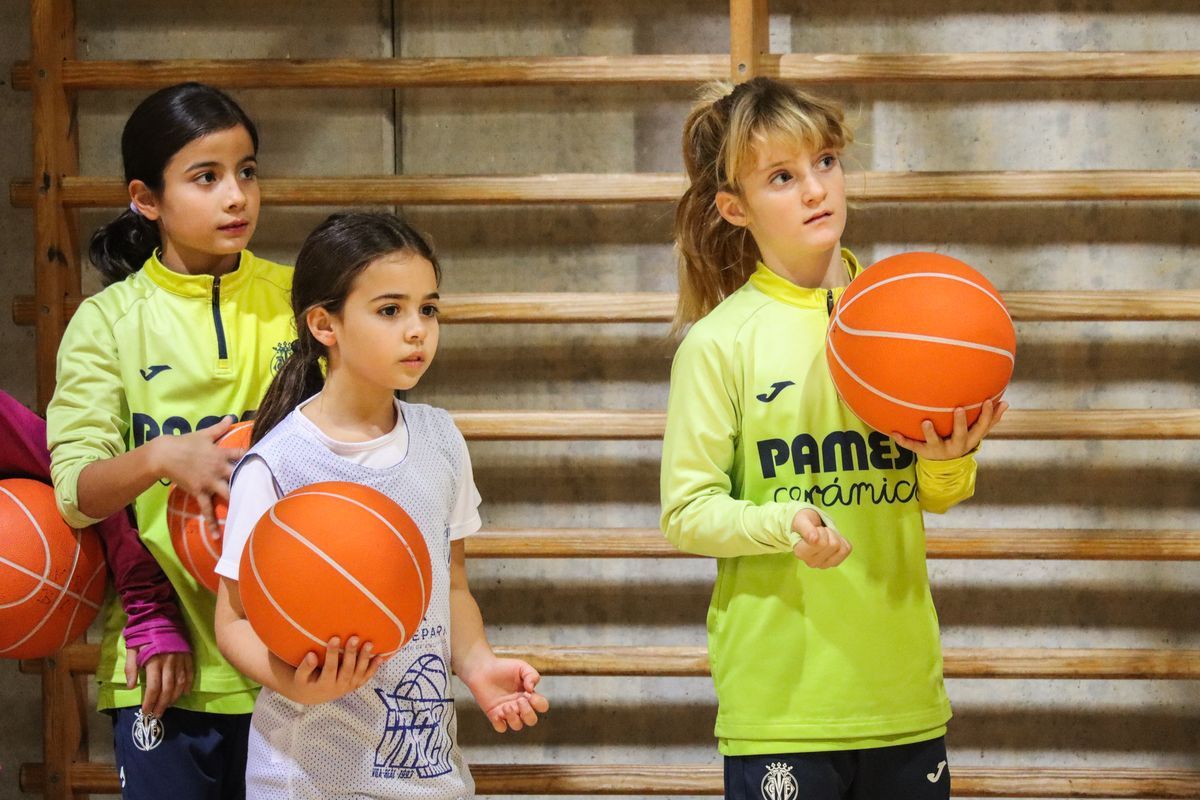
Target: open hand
(504, 689)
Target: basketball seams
(68, 632)
(45, 549)
(52, 584)
(852, 338)
(44, 578)
(849, 301)
(350, 578)
(921, 337)
(262, 587)
(59, 613)
(178, 517)
(879, 393)
(425, 591)
(63, 591)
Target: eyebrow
(209, 164)
(394, 296)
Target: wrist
(472, 668)
(152, 458)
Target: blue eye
(781, 177)
(828, 161)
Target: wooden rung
(959, 662)
(619, 307)
(687, 661)
(1015, 543)
(863, 187)
(1166, 423)
(706, 779)
(631, 69)
(953, 67)
(387, 73)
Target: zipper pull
(829, 301)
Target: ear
(320, 325)
(732, 209)
(145, 200)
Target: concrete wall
(618, 248)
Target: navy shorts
(904, 772)
(183, 755)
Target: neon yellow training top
(803, 659)
(165, 353)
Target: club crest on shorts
(148, 731)
(779, 783)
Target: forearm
(154, 624)
(722, 527)
(243, 648)
(469, 647)
(108, 485)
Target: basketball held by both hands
(196, 543)
(335, 559)
(916, 336)
(52, 576)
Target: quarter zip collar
(780, 288)
(197, 285)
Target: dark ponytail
(329, 260)
(162, 125)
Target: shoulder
(271, 273)
(437, 419)
(95, 325)
(113, 303)
(717, 333)
(438, 428)
(283, 429)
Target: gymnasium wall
(932, 127)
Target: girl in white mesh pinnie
(347, 723)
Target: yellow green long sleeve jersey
(802, 659)
(162, 353)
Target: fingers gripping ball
(196, 543)
(915, 336)
(51, 576)
(335, 559)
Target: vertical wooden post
(55, 154)
(56, 276)
(64, 727)
(749, 28)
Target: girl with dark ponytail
(152, 371)
(162, 125)
(365, 297)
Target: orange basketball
(335, 559)
(915, 336)
(199, 547)
(51, 576)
